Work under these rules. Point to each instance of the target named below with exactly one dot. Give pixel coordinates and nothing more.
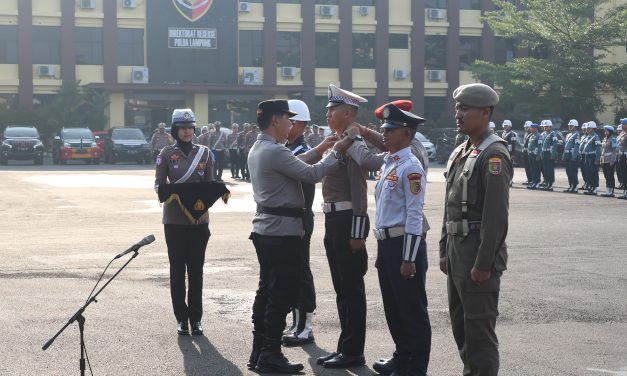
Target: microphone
(147, 240)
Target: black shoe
(196, 328)
(254, 358)
(549, 188)
(295, 339)
(384, 366)
(323, 359)
(345, 361)
(526, 183)
(182, 329)
(276, 362)
(569, 190)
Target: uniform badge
(175, 157)
(494, 165)
(415, 183)
(199, 205)
(200, 166)
(158, 160)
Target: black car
(20, 143)
(126, 144)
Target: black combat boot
(271, 359)
(254, 354)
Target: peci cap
(402, 104)
(534, 125)
(271, 107)
(394, 117)
(339, 96)
(183, 116)
(476, 95)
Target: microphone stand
(78, 316)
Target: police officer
(301, 330)
(512, 139)
(231, 143)
(217, 144)
(473, 252)
(314, 138)
(535, 155)
(277, 230)
(549, 154)
(251, 138)
(592, 152)
(582, 156)
(241, 144)
(492, 127)
(185, 162)
(609, 156)
(525, 152)
(622, 159)
(346, 227)
(571, 156)
(160, 139)
(402, 249)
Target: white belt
(330, 207)
(388, 233)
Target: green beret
(476, 95)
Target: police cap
(394, 117)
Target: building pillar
(452, 53)
(487, 36)
(381, 55)
(417, 56)
(308, 51)
(68, 40)
(115, 110)
(25, 53)
(200, 106)
(269, 42)
(345, 44)
(110, 41)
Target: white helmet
(592, 124)
(528, 124)
(573, 122)
(492, 125)
(584, 125)
(546, 123)
(507, 123)
(301, 110)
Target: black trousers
(219, 165)
(233, 161)
(621, 169)
(242, 158)
(245, 172)
(608, 172)
(527, 165)
(279, 277)
(572, 168)
(347, 273)
(307, 291)
(186, 252)
(405, 305)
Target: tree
(568, 83)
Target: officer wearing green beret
(473, 252)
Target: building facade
(221, 57)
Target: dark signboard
(192, 41)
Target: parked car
(427, 144)
(100, 137)
(21, 143)
(75, 144)
(126, 144)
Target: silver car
(427, 144)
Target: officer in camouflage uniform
(473, 252)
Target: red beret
(403, 104)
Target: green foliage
(569, 83)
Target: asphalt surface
(563, 307)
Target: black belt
(282, 212)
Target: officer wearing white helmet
(592, 154)
(621, 167)
(571, 155)
(549, 154)
(512, 139)
(492, 127)
(301, 331)
(525, 152)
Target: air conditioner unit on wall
(288, 71)
(250, 77)
(245, 7)
(435, 13)
(88, 4)
(129, 4)
(45, 70)
(435, 75)
(364, 10)
(139, 75)
(400, 74)
(327, 10)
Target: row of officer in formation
(283, 170)
(583, 150)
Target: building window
(326, 2)
(400, 41)
(46, 45)
(470, 4)
(327, 52)
(89, 45)
(504, 50)
(368, 3)
(435, 52)
(131, 47)
(363, 50)
(251, 48)
(288, 49)
(469, 51)
(440, 4)
(289, 1)
(8, 44)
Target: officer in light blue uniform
(535, 152)
(402, 250)
(571, 155)
(549, 154)
(592, 151)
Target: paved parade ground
(563, 307)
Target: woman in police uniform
(186, 237)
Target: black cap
(394, 117)
(270, 107)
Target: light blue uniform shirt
(400, 195)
